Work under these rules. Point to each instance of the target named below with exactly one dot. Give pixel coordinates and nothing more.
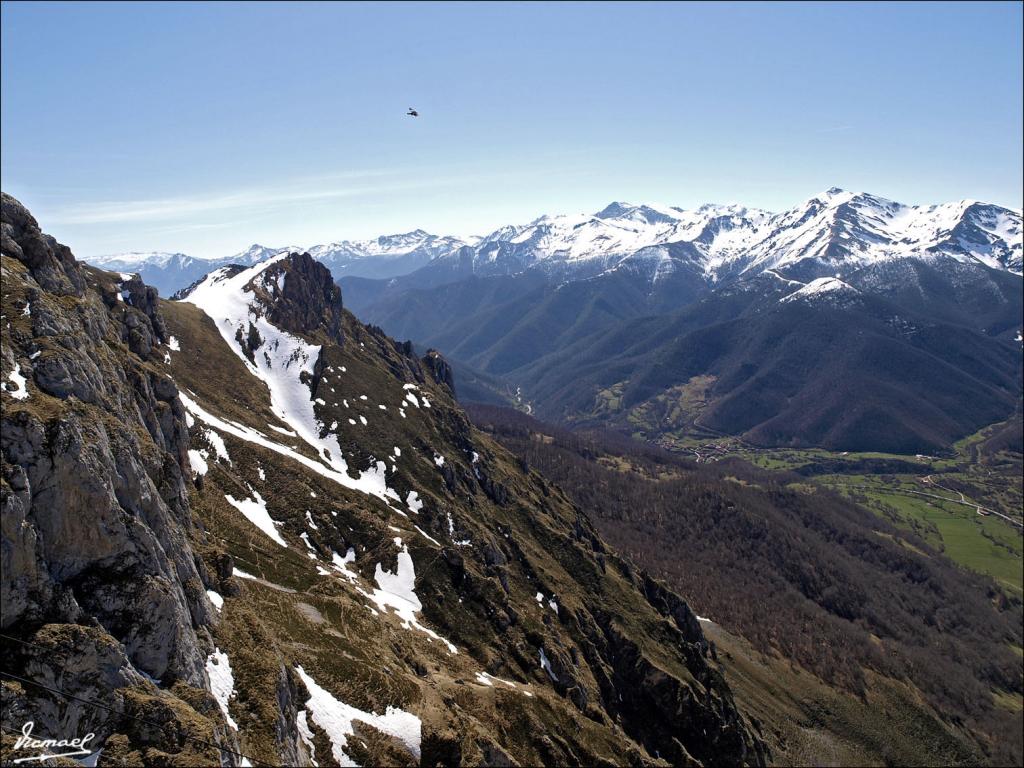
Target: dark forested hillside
(796, 570)
(903, 356)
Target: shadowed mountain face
(269, 530)
(841, 369)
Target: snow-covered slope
(822, 289)
(256, 253)
(285, 363)
(389, 246)
(589, 242)
(848, 230)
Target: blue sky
(205, 127)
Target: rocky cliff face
(98, 571)
(306, 297)
(270, 529)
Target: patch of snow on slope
(427, 536)
(398, 591)
(306, 735)
(485, 678)
(336, 718)
(312, 550)
(818, 287)
(222, 682)
(413, 501)
(215, 598)
(21, 391)
(279, 363)
(197, 460)
(255, 511)
(339, 564)
(218, 445)
(546, 666)
(250, 435)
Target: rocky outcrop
(440, 369)
(706, 727)
(302, 296)
(51, 264)
(96, 525)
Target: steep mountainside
(871, 646)
(102, 584)
(260, 531)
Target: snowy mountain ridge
(381, 257)
(138, 258)
(831, 233)
(834, 230)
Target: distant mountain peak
(614, 209)
(134, 258)
(256, 253)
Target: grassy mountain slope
(518, 537)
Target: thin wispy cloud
(251, 199)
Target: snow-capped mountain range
(836, 230)
(381, 257)
(830, 233)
